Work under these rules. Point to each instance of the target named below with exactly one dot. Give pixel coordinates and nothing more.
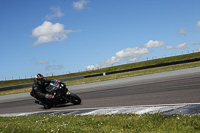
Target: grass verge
(109, 69)
(114, 76)
(125, 123)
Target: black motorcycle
(61, 95)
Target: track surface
(182, 88)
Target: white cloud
(42, 62)
(182, 31)
(92, 67)
(129, 54)
(57, 67)
(196, 43)
(198, 24)
(151, 44)
(113, 60)
(53, 67)
(180, 46)
(48, 32)
(170, 47)
(57, 13)
(133, 59)
(79, 5)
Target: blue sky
(62, 36)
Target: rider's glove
(49, 96)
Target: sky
(55, 37)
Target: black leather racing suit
(39, 92)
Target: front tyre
(74, 99)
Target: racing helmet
(39, 78)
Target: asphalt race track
(182, 86)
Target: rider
(39, 92)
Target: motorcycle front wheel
(74, 99)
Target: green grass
(109, 69)
(133, 73)
(15, 91)
(120, 123)
(114, 76)
(124, 123)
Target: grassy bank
(124, 123)
(114, 76)
(109, 69)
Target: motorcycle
(61, 95)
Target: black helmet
(39, 78)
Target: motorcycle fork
(68, 93)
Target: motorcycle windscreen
(52, 87)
